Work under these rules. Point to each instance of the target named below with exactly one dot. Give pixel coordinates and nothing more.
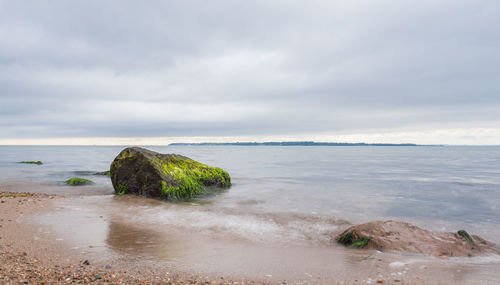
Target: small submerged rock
(76, 181)
(147, 173)
(103, 173)
(38, 162)
(405, 237)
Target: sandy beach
(30, 254)
(27, 258)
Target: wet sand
(30, 255)
(49, 238)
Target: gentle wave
(247, 224)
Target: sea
(285, 203)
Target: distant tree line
(295, 143)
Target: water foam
(253, 226)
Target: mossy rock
(106, 173)
(147, 173)
(76, 181)
(404, 237)
(38, 162)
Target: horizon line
(215, 143)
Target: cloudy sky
(154, 72)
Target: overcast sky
(157, 71)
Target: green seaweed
(164, 189)
(76, 181)
(107, 173)
(360, 242)
(346, 239)
(353, 240)
(189, 177)
(465, 235)
(38, 162)
(121, 189)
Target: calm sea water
(442, 187)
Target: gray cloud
(222, 68)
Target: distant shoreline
(294, 143)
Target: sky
(155, 72)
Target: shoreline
(27, 257)
(29, 253)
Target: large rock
(169, 176)
(405, 237)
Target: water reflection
(131, 239)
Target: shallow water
(286, 203)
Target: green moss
(121, 189)
(465, 235)
(189, 177)
(127, 154)
(164, 192)
(32, 162)
(170, 176)
(353, 240)
(346, 239)
(76, 181)
(360, 242)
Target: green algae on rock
(147, 173)
(121, 189)
(106, 173)
(465, 235)
(352, 239)
(32, 162)
(76, 181)
(404, 237)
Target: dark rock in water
(32, 162)
(405, 237)
(76, 181)
(103, 173)
(169, 176)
